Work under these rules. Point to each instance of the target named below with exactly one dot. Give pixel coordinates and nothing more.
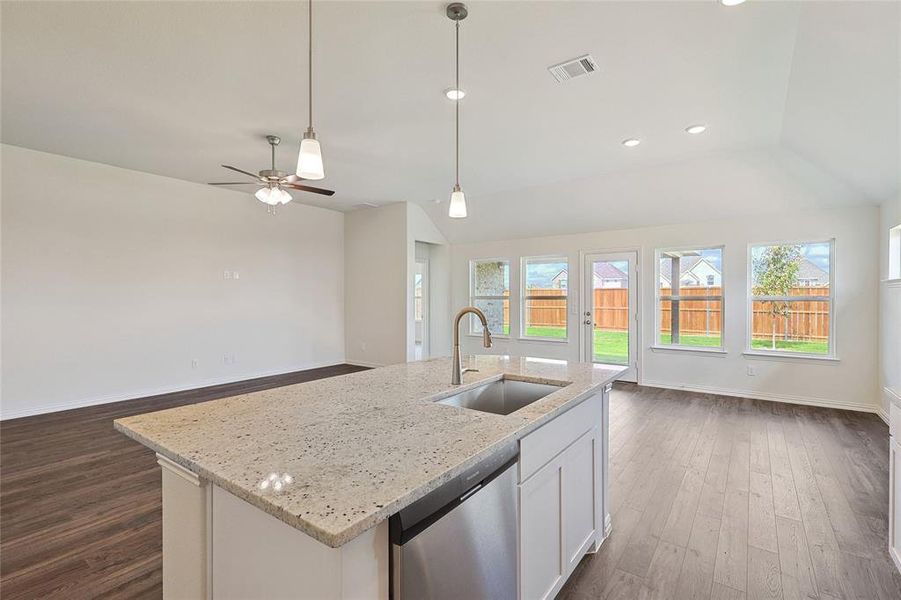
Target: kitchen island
(287, 492)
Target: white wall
(377, 285)
(113, 282)
(849, 382)
(889, 310)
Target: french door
(610, 310)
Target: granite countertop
(359, 447)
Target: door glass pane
(610, 303)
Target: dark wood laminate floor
(718, 497)
(80, 505)
(712, 497)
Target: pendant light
(309, 160)
(456, 12)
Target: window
(690, 297)
(543, 303)
(791, 298)
(894, 252)
(489, 291)
(417, 297)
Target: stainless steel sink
(500, 397)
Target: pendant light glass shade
(309, 161)
(457, 209)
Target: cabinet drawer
(542, 445)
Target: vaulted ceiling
(801, 100)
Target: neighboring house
(697, 271)
(810, 275)
(605, 276)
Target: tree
(775, 274)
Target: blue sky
(540, 274)
(817, 253)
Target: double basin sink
(500, 397)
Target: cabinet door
(541, 565)
(580, 519)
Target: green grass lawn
(609, 346)
(788, 346)
(613, 346)
(693, 340)
(547, 332)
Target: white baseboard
(757, 395)
(6, 415)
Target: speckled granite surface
(358, 447)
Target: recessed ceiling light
(731, 2)
(696, 129)
(454, 94)
(631, 142)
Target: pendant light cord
(457, 102)
(310, 70)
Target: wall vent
(583, 65)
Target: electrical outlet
(752, 371)
(195, 363)
(363, 346)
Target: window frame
(893, 276)
(657, 345)
(523, 297)
(470, 330)
(831, 353)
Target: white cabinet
(541, 565)
(562, 501)
(579, 500)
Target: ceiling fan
(272, 181)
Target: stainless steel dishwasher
(460, 540)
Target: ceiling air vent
(583, 65)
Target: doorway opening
(421, 310)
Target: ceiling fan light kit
(456, 12)
(309, 159)
(273, 182)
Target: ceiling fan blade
(236, 169)
(238, 183)
(306, 188)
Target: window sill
(786, 356)
(542, 339)
(697, 349)
(892, 282)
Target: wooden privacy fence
(809, 320)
